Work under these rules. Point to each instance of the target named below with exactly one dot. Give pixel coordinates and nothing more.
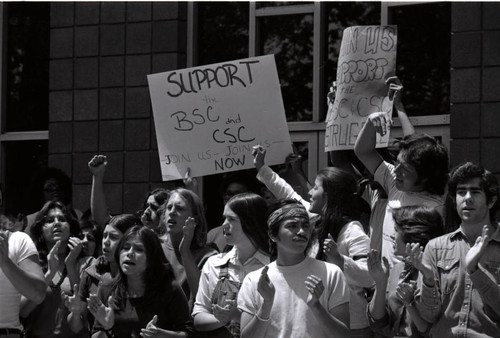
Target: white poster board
(208, 118)
(367, 58)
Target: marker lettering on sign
(187, 123)
(229, 162)
(226, 75)
(231, 136)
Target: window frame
(12, 136)
(434, 125)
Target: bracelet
(261, 319)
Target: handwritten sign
(367, 58)
(208, 118)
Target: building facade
(74, 80)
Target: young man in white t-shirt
(418, 178)
(296, 295)
(20, 275)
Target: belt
(5, 331)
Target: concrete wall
(100, 54)
(475, 84)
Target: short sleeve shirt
(20, 248)
(290, 316)
(386, 176)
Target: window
(423, 63)
(424, 56)
(24, 106)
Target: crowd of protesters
(399, 246)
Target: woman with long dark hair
(56, 238)
(344, 241)
(103, 269)
(245, 228)
(145, 298)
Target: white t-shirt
(20, 248)
(386, 176)
(290, 316)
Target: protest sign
(367, 58)
(208, 118)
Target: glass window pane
(424, 57)
(27, 60)
(222, 31)
(20, 172)
(290, 39)
(341, 15)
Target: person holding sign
(296, 295)
(419, 178)
(246, 231)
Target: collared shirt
(236, 271)
(462, 304)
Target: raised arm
(365, 146)
(100, 212)
(395, 94)
(278, 186)
(295, 161)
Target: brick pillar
(100, 54)
(475, 83)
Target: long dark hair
(122, 223)
(341, 204)
(251, 210)
(158, 271)
(37, 229)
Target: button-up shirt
(462, 304)
(236, 271)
